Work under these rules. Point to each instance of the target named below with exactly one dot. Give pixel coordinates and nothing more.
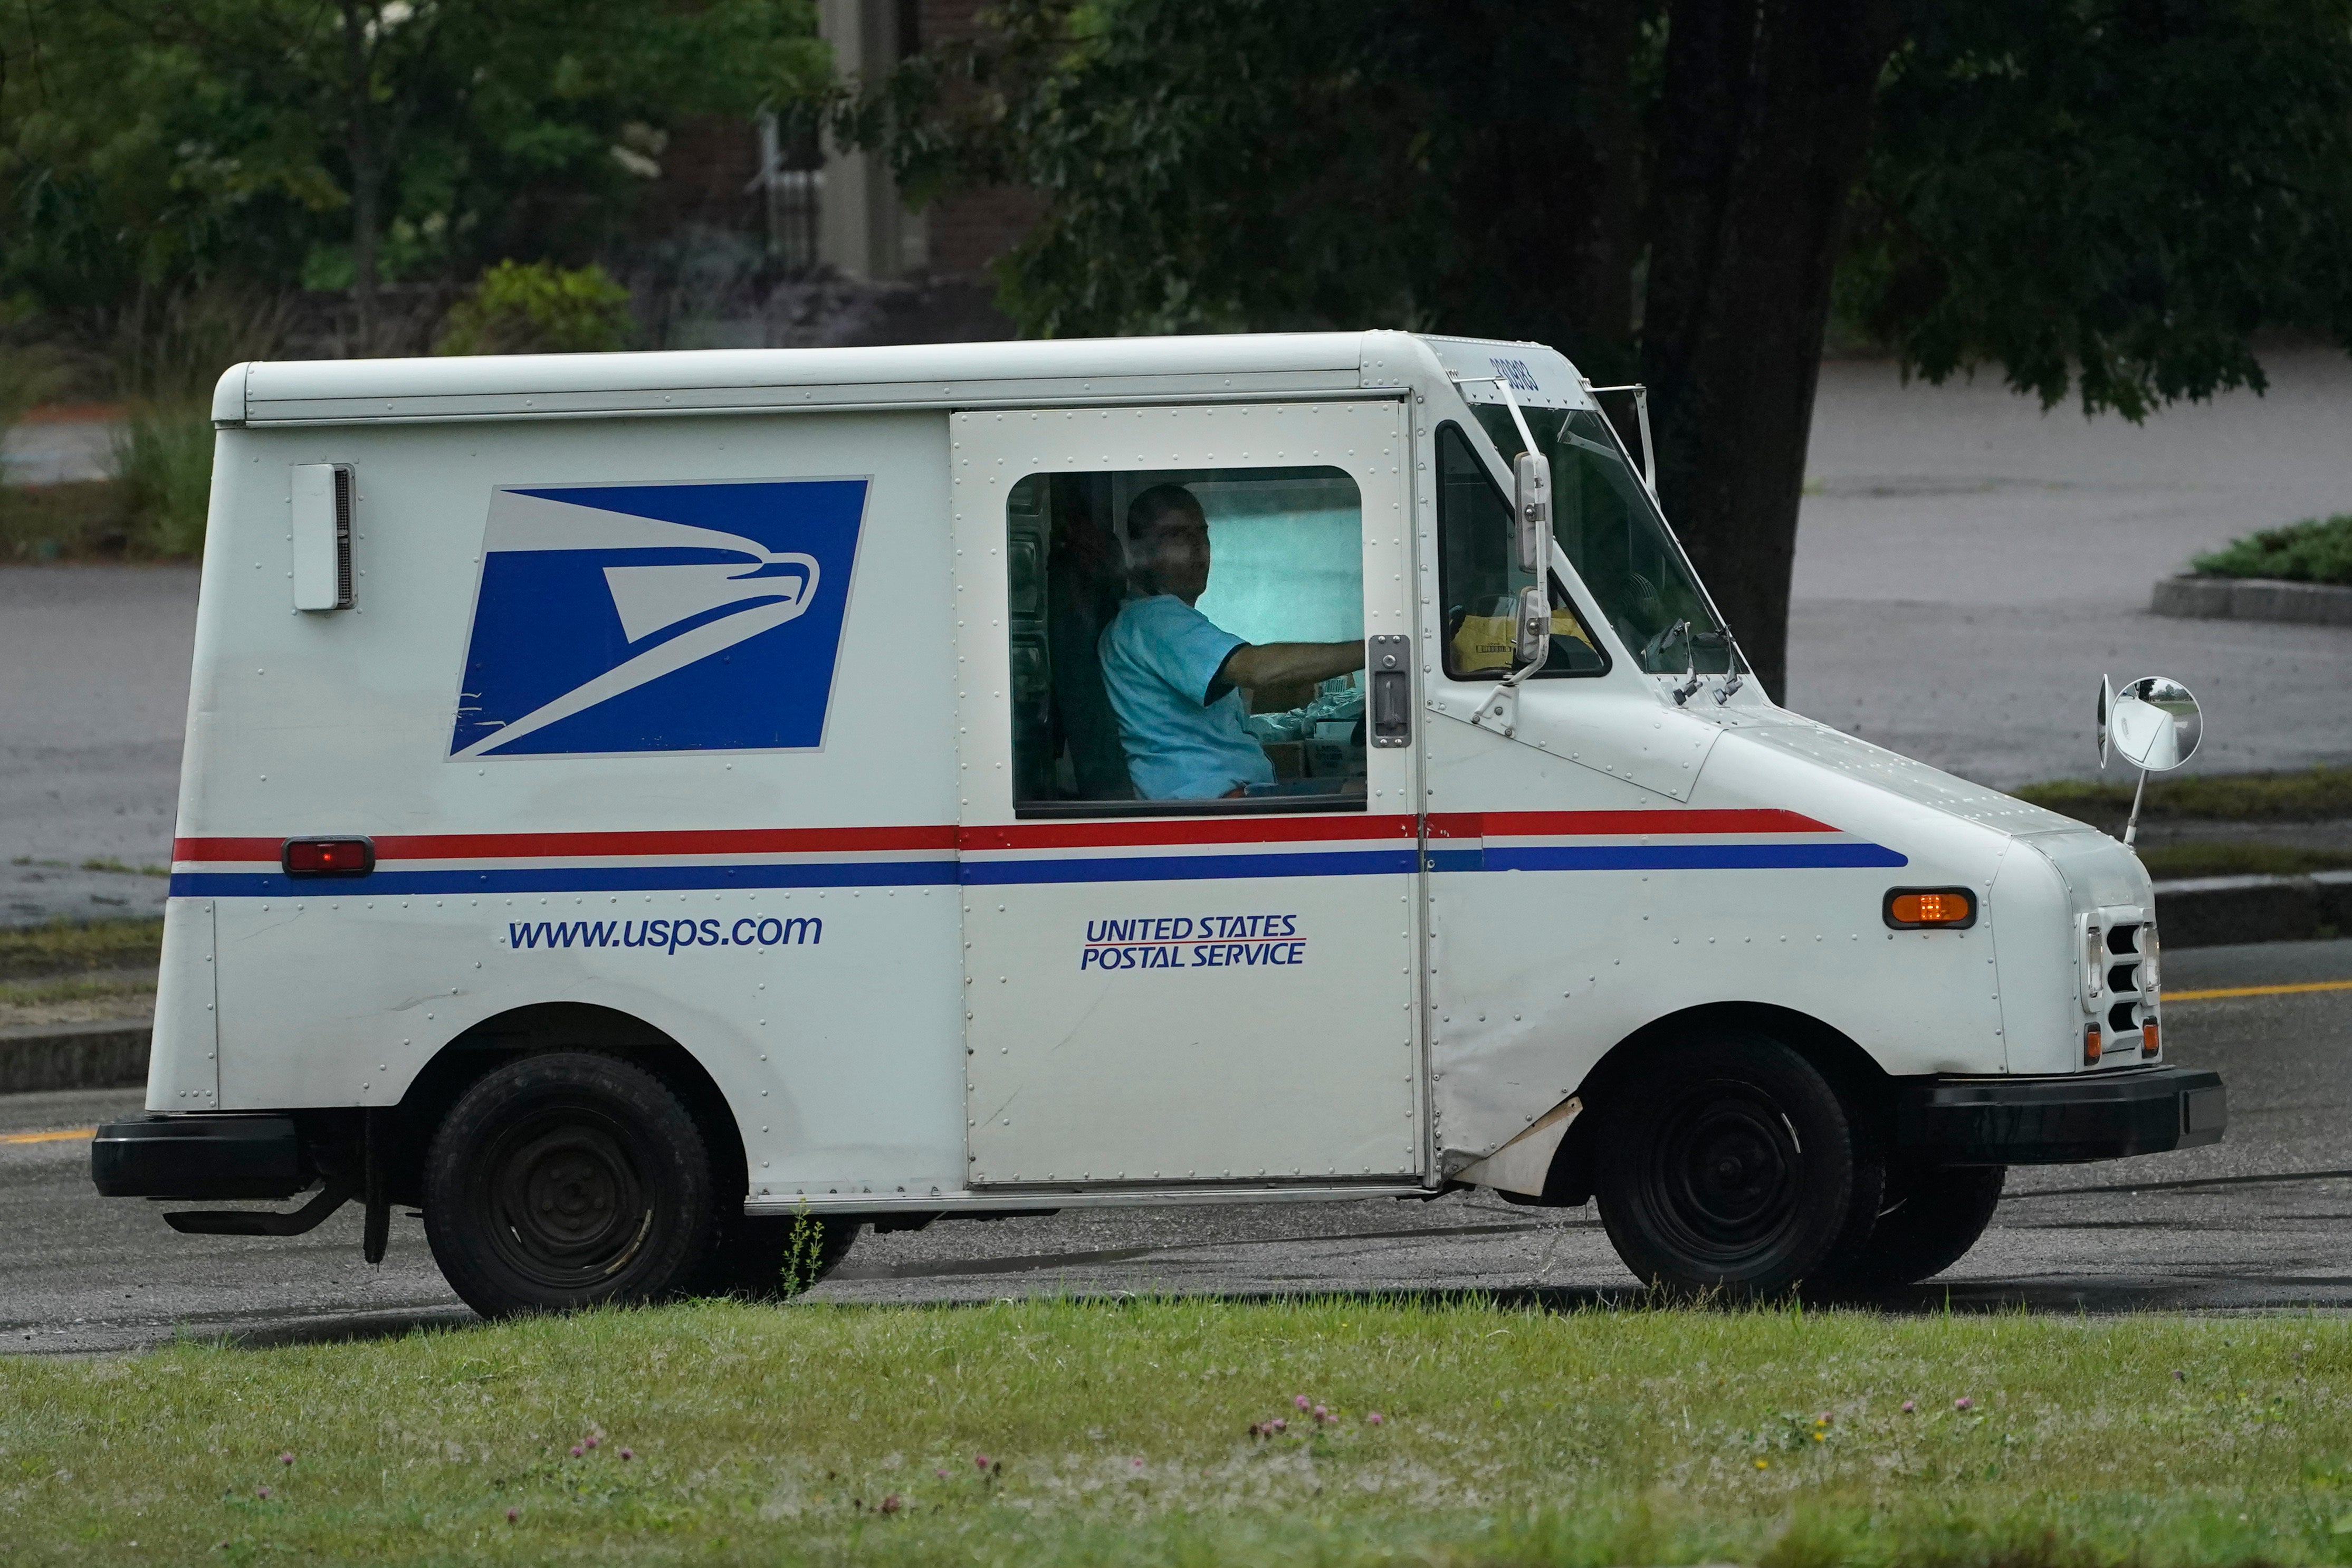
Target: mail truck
(635, 805)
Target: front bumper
(205, 1156)
(2059, 1121)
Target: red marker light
(327, 858)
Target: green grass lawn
(63, 947)
(1123, 1432)
(2171, 862)
(2312, 794)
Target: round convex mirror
(2155, 723)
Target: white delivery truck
(633, 799)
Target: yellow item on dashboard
(1482, 644)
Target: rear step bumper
(222, 1156)
(2059, 1121)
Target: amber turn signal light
(2090, 1044)
(328, 857)
(2147, 1041)
(1922, 909)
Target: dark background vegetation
(2113, 200)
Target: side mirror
(1532, 506)
(2154, 723)
(1531, 639)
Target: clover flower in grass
(577, 1450)
(1908, 1407)
(981, 1459)
(1301, 1400)
(627, 1456)
(261, 1492)
(1375, 1418)
(1964, 1402)
(286, 1457)
(513, 1514)
(590, 1440)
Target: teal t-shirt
(1159, 657)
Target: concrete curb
(2252, 599)
(40, 1057)
(2214, 911)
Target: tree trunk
(1764, 120)
(367, 169)
(1542, 197)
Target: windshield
(1616, 541)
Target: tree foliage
(2110, 197)
(158, 141)
(2121, 193)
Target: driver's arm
(1253, 665)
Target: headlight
(2094, 960)
(2149, 977)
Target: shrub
(2318, 550)
(539, 308)
(164, 459)
(170, 348)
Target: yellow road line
(69, 1134)
(2307, 986)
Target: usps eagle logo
(659, 617)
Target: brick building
(862, 228)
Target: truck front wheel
(1731, 1164)
(1935, 1215)
(568, 1180)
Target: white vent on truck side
(320, 531)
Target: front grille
(2128, 1009)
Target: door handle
(1388, 658)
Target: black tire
(568, 1180)
(1933, 1216)
(751, 1261)
(1729, 1164)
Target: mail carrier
(634, 800)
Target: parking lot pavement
(1968, 567)
(2263, 1220)
(92, 706)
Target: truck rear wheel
(755, 1254)
(568, 1180)
(1731, 1164)
(1933, 1216)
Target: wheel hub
(568, 1200)
(1727, 1170)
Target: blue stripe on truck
(1386, 862)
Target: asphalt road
(2263, 1220)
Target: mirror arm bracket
(2131, 825)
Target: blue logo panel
(684, 617)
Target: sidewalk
(61, 443)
